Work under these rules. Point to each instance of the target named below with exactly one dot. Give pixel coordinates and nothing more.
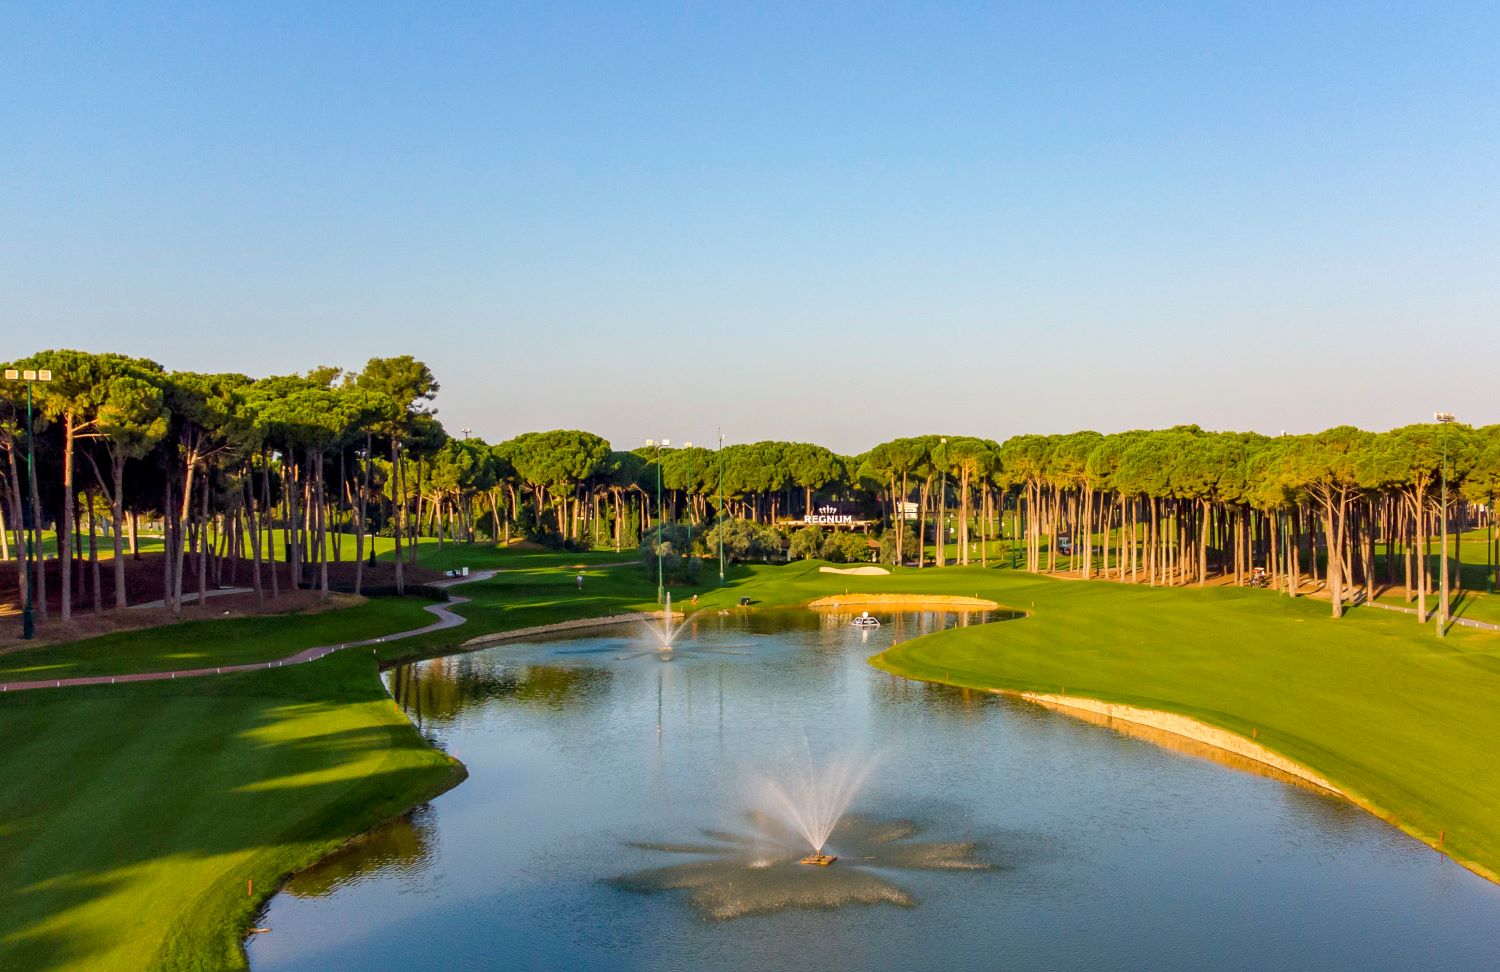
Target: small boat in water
(865, 621)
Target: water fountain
(811, 801)
(665, 633)
(755, 872)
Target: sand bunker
(868, 570)
(904, 601)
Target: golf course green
(143, 824)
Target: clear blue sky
(822, 222)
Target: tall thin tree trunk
(359, 523)
(65, 532)
(322, 529)
(203, 548)
(398, 502)
(96, 580)
(268, 514)
(254, 529)
(169, 512)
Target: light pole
(1489, 546)
(1015, 529)
(688, 495)
(1444, 419)
(661, 584)
(721, 506)
(468, 531)
(942, 529)
(28, 617)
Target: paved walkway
(1466, 622)
(445, 619)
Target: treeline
(223, 463)
(284, 471)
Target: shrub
(744, 540)
(847, 548)
(675, 564)
(888, 543)
(806, 543)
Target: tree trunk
(65, 531)
(168, 506)
(398, 502)
(322, 530)
(23, 578)
(254, 528)
(360, 520)
(267, 513)
(1335, 574)
(203, 544)
(95, 580)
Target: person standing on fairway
(580, 582)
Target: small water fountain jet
(665, 630)
(664, 634)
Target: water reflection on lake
(610, 821)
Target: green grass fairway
(521, 598)
(133, 815)
(1404, 722)
(487, 556)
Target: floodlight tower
(661, 584)
(1444, 419)
(721, 506)
(30, 376)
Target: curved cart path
(445, 619)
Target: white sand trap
(862, 571)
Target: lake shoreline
(1202, 733)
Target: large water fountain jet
(812, 800)
(731, 874)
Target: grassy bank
(133, 816)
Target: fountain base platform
(818, 860)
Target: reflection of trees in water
(737, 874)
(901, 626)
(963, 704)
(442, 689)
(401, 847)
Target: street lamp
(942, 527)
(28, 618)
(721, 506)
(1015, 530)
(468, 530)
(661, 584)
(1444, 419)
(688, 493)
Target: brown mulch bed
(143, 584)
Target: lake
(622, 812)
